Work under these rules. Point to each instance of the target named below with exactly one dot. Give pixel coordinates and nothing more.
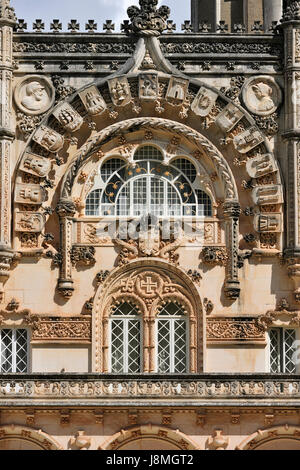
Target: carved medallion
(119, 91)
(29, 194)
(177, 90)
(229, 117)
(268, 223)
(148, 86)
(261, 165)
(34, 95)
(68, 117)
(49, 139)
(247, 140)
(204, 102)
(92, 100)
(35, 165)
(262, 95)
(29, 222)
(268, 194)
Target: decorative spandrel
(148, 20)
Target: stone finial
(291, 11)
(7, 12)
(148, 20)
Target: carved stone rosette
(232, 211)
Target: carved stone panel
(35, 165)
(262, 95)
(204, 102)
(229, 117)
(49, 139)
(29, 194)
(268, 223)
(247, 140)
(148, 86)
(177, 90)
(68, 117)
(119, 91)
(268, 194)
(34, 95)
(92, 100)
(261, 165)
(29, 222)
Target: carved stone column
(232, 211)
(146, 345)
(291, 31)
(152, 362)
(66, 210)
(7, 22)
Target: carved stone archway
(13, 437)
(284, 437)
(77, 128)
(171, 284)
(149, 437)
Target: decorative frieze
(29, 222)
(65, 329)
(170, 388)
(234, 330)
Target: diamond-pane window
(172, 347)
(282, 350)
(126, 339)
(14, 350)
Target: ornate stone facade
(149, 224)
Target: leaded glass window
(148, 187)
(282, 350)
(172, 339)
(14, 350)
(126, 339)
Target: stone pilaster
(291, 31)
(272, 12)
(232, 211)
(7, 22)
(65, 210)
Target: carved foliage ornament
(292, 10)
(148, 20)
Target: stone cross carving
(148, 20)
(149, 285)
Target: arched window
(126, 339)
(172, 339)
(148, 187)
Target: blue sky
(83, 10)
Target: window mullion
(14, 350)
(125, 346)
(172, 348)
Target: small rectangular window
(282, 350)
(14, 350)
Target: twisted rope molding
(94, 144)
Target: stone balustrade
(210, 390)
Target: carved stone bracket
(293, 270)
(282, 316)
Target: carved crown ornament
(148, 20)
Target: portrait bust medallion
(262, 95)
(34, 95)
